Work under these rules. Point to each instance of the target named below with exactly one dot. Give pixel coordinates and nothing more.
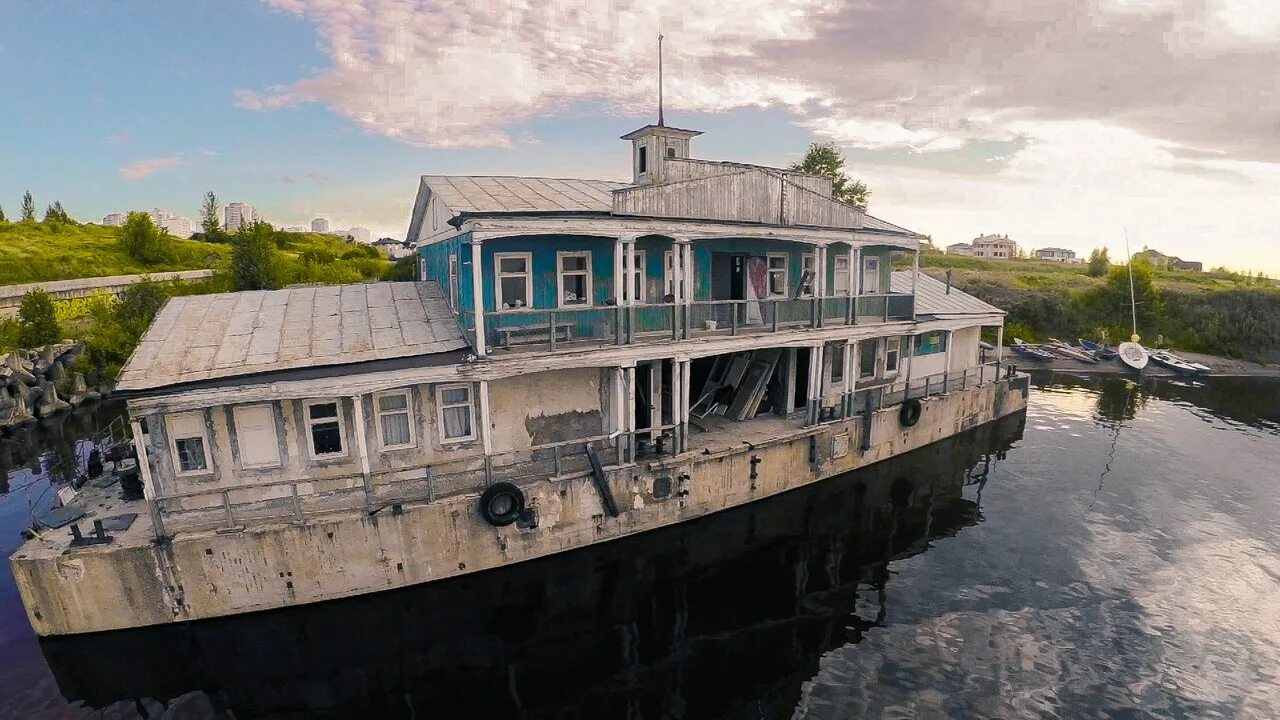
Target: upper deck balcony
(553, 293)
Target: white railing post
(486, 441)
(915, 276)
(148, 483)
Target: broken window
(835, 351)
(639, 283)
(892, 353)
(395, 426)
(190, 449)
(841, 284)
(515, 283)
(642, 161)
(777, 274)
(808, 265)
(870, 275)
(867, 358)
(669, 275)
(574, 278)
(455, 413)
(324, 420)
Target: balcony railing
(840, 406)
(552, 329)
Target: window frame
(275, 436)
(670, 279)
(785, 270)
(809, 262)
(835, 276)
(586, 272)
(499, 276)
(378, 412)
(868, 260)
(441, 407)
(310, 424)
(637, 275)
(887, 348)
(875, 359)
(453, 282)
(642, 159)
(836, 352)
(204, 443)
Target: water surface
(1114, 555)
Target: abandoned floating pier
(579, 360)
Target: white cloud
(150, 166)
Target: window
(455, 413)
(324, 421)
(395, 419)
(573, 281)
(639, 283)
(835, 351)
(808, 265)
(669, 279)
(871, 275)
(515, 282)
(841, 284)
(777, 274)
(671, 153)
(256, 438)
(190, 444)
(453, 281)
(930, 343)
(892, 353)
(642, 160)
(867, 351)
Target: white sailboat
(1132, 353)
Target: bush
(255, 264)
(144, 242)
(404, 269)
(37, 320)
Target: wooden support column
(619, 271)
(630, 412)
(655, 399)
(362, 448)
(946, 375)
(999, 349)
(846, 369)
(148, 483)
(685, 371)
(915, 277)
(477, 295)
(486, 431)
(815, 383)
(911, 360)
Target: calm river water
(1116, 554)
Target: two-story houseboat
(580, 360)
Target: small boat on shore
(1033, 352)
(1133, 355)
(1060, 348)
(1102, 352)
(1178, 364)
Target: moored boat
(1060, 348)
(1133, 355)
(1102, 352)
(1033, 352)
(1177, 364)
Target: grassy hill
(35, 252)
(1218, 312)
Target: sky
(1068, 123)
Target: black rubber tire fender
(909, 415)
(501, 504)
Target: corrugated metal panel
(503, 193)
(201, 337)
(932, 297)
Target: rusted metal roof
(499, 193)
(202, 337)
(932, 297)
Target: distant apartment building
(295, 228)
(393, 248)
(237, 214)
(178, 226)
(960, 249)
(994, 247)
(1061, 255)
(358, 234)
(320, 225)
(113, 220)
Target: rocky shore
(41, 383)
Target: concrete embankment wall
(210, 574)
(11, 295)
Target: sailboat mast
(1133, 305)
(661, 121)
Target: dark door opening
(801, 397)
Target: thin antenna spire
(661, 122)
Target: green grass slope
(35, 252)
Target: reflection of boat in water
(716, 617)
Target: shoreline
(1220, 366)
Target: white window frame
(809, 262)
(453, 282)
(836, 273)
(311, 423)
(785, 270)
(204, 443)
(637, 276)
(669, 277)
(378, 412)
(560, 276)
(498, 275)
(862, 369)
(891, 346)
(275, 435)
(866, 262)
(471, 410)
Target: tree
(254, 261)
(1145, 294)
(209, 222)
(826, 159)
(28, 208)
(2, 217)
(1099, 262)
(37, 321)
(56, 213)
(143, 241)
